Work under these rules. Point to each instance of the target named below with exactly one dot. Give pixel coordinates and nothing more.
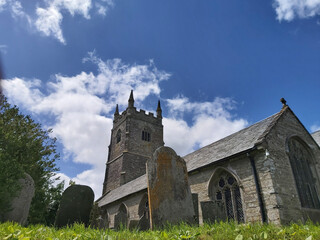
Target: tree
(26, 148)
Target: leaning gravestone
(75, 206)
(20, 205)
(213, 211)
(170, 199)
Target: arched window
(306, 180)
(118, 136)
(145, 135)
(224, 188)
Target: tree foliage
(26, 148)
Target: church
(268, 172)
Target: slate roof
(129, 188)
(233, 144)
(316, 136)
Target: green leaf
(164, 235)
(309, 238)
(239, 237)
(264, 235)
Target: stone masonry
(134, 137)
(253, 175)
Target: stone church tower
(134, 137)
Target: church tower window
(145, 135)
(118, 136)
(224, 188)
(304, 173)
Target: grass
(219, 231)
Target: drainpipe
(258, 188)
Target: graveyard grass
(220, 230)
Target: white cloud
(103, 6)
(83, 106)
(15, 8)
(211, 121)
(290, 9)
(2, 4)
(315, 128)
(50, 14)
(49, 19)
(49, 22)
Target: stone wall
(132, 203)
(285, 192)
(136, 144)
(127, 158)
(113, 170)
(135, 166)
(240, 167)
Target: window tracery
(306, 181)
(225, 189)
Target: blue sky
(216, 66)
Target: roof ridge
(271, 125)
(242, 130)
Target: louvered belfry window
(306, 181)
(145, 136)
(227, 191)
(118, 137)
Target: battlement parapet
(137, 114)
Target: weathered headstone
(75, 206)
(144, 223)
(121, 218)
(98, 217)
(133, 224)
(195, 201)
(144, 219)
(101, 223)
(21, 204)
(170, 199)
(212, 211)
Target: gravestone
(213, 211)
(195, 201)
(144, 223)
(101, 223)
(133, 224)
(169, 193)
(99, 218)
(121, 218)
(75, 206)
(144, 219)
(21, 203)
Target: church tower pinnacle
(159, 110)
(116, 113)
(131, 100)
